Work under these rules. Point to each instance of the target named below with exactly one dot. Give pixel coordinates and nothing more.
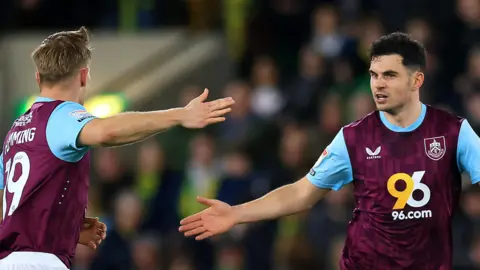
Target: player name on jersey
(19, 137)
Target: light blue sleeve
(468, 152)
(2, 172)
(63, 128)
(333, 169)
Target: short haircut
(412, 51)
(62, 54)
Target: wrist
(238, 214)
(177, 115)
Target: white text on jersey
(20, 137)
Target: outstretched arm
(131, 127)
(284, 201)
(332, 171)
(71, 130)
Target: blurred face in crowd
(325, 20)
(145, 254)
(311, 64)
(371, 30)
(107, 164)
(293, 146)
(202, 150)
(360, 104)
(469, 10)
(150, 157)
(474, 63)
(240, 92)
(264, 72)
(419, 30)
(393, 85)
(330, 115)
(128, 211)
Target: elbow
(307, 194)
(102, 134)
(106, 137)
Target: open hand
(93, 232)
(199, 113)
(216, 219)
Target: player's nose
(379, 86)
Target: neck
(406, 116)
(60, 92)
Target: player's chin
(383, 106)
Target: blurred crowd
(301, 75)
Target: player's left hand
(93, 232)
(199, 113)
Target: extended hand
(199, 113)
(218, 218)
(93, 232)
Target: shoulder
(442, 115)
(70, 109)
(69, 113)
(367, 120)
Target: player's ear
(37, 77)
(83, 76)
(418, 79)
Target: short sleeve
(333, 169)
(63, 127)
(468, 152)
(2, 172)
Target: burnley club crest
(435, 148)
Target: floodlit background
(297, 70)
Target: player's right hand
(216, 219)
(198, 113)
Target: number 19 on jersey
(16, 188)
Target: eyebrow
(386, 72)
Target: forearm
(131, 127)
(286, 200)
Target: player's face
(391, 83)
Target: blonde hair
(62, 54)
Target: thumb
(206, 201)
(203, 96)
(88, 221)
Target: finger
(191, 219)
(218, 113)
(206, 201)
(98, 242)
(196, 231)
(101, 226)
(204, 235)
(191, 226)
(92, 245)
(220, 104)
(203, 96)
(215, 120)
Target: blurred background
(298, 72)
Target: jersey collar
(43, 99)
(412, 127)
